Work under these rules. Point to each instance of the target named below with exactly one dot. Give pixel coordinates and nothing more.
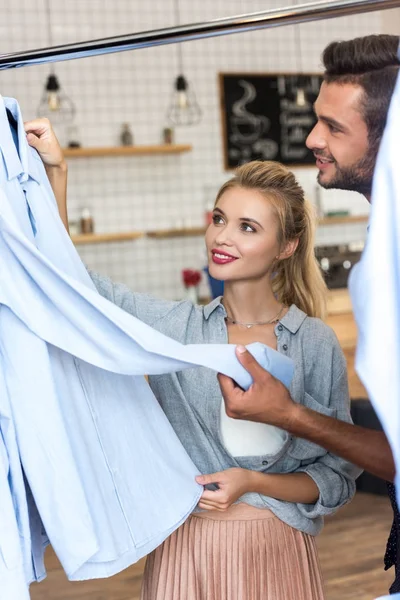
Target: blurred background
(132, 93)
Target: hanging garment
(375, 289)
(100, 462)
(13, 584)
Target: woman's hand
(40, 135)
(232, 484)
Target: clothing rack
(248, 22)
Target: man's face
(339, 140)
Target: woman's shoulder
(315, 339)
(317, 348)
(299, 323)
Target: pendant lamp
(184, 109)
(54, 103)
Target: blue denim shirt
(191, 399)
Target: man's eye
(333, 129)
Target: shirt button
(280, 327)
(285, 347)
(264, 462)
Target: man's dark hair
(371, 62)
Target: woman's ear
(289, 249)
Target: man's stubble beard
(357, 178)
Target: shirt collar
(213, 305)
(19, 163)
(292, 321)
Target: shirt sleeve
(334, 476)
(150, 310)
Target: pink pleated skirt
(244, 553)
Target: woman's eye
(248, 228)
(217, 219)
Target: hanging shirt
(375, 292)
(12, 574)
(103, 467)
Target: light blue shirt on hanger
(375, 289)
(84, 443)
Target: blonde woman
(265, 494)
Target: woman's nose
(224, 237)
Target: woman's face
(242, 240)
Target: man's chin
(324, 181)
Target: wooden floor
(351, 551)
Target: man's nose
(316, 138)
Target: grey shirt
(191, 399)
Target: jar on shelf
(168, 135)
(87, 224)
(126, 136)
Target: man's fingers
(227, 385)
(250, 364)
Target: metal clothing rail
(170, 35)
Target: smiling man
(351, 109)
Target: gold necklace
(248, 325)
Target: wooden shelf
(343, 220)
(126, 150)
(98, 238)
(171, 233)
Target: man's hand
(266, 401)
(40, 135)
(232, 484)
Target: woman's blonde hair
(297, 279)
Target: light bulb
(182, 99)
(53, 101)
(301, 97)
(184, 109)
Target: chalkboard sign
(268, 117)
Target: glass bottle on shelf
(126, 136)
(87, 224)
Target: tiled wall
(144, 193)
